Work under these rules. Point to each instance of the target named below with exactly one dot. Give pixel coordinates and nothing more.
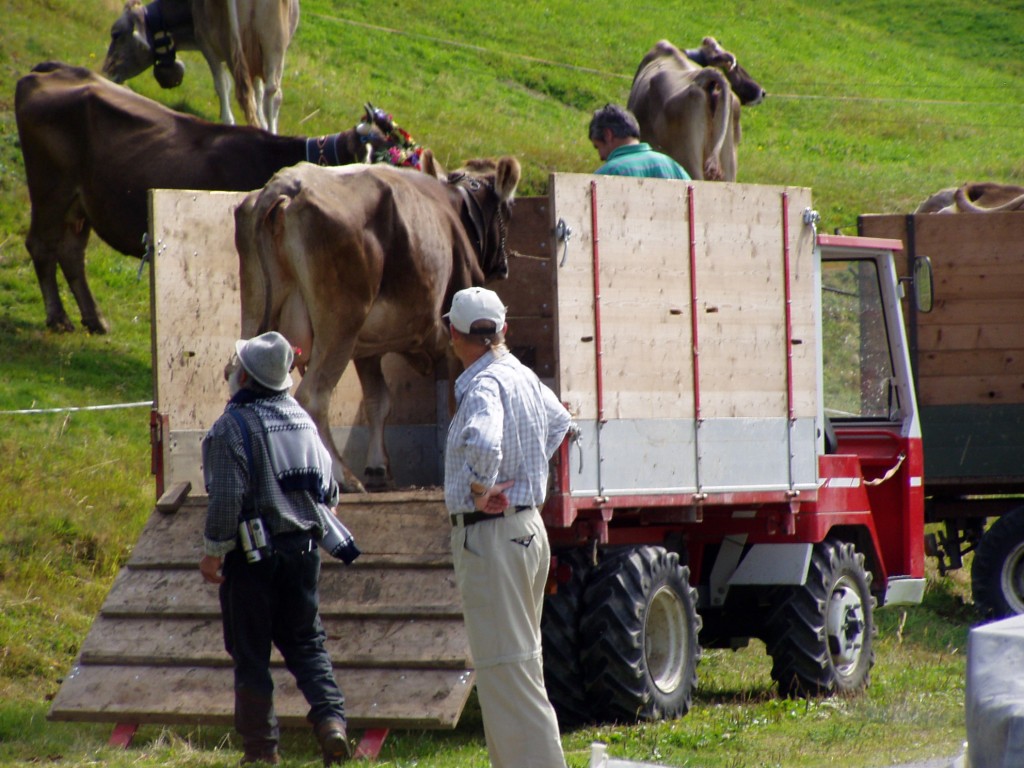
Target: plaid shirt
(507, 427)
(226, 474)
(641, 160)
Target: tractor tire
(997, 574)
(821, 635)
(560, 632)
(639, 633)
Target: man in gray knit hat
(271, 491)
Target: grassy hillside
(874, 105)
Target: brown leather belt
(472, 518)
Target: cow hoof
(378, 479)
(61, 325)
(97, 326)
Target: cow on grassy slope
(93, 150)
(352, 263)
(241, 40)
(692, 112)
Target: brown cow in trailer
(975, 197)
(241, 40)
(692, 112)
(93, 150)
(352, 263)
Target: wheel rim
(1012, 579)
(665, 639)
(846, 626)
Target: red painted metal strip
(853, 241)
(598, 351)
(788, 278)
(670, 499)
(122, 735)
(371, 743)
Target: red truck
(747, 460)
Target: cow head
(712, 54)
(488, 190)
(399, 148)
(136, 44)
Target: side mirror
(924, 290)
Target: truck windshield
(858, 370)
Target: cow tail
(719, 98)
(240, 68)
(268, 247)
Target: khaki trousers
(501, 567)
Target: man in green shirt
(616, 137)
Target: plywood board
(393, 529)
(647, 307)
(374, 698)
(393, 620)
(197, 318)
(978, 263)
(363, 642)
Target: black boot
(332, 736)
(256, 723)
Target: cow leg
(376, 406)
(44, 259)
(72, 264)
(69, 252)
(327, 364)
(259, 95)
(222, 84)
(272, 98)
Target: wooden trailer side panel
(197, 318)
(969, 354)
(675, 360)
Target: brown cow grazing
(692, 112)
(975, 197)
(352, 263)
(93, 150)
(241, 40)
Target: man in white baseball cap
(506, 428)
(474, 305)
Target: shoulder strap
(247, 508)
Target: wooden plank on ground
(374, 698)
(392, 592)
(351, 642)
(155, 654)
(392, 529)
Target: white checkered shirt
(507, 426)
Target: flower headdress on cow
(402, 150)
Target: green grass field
(874, 105)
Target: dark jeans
(276, 601)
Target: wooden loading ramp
(155, 653)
